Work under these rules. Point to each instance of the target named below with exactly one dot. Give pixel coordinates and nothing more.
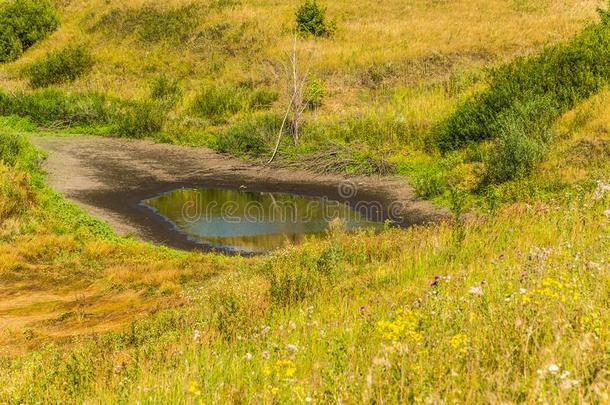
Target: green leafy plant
(564, 74)
(166, 90)
(520, 144)
(314, 93)
(54, 108)
(63, 66)
(10, 45)
(22, 24)
(250, 136)
(311, 20)
(140, 118)
(219, 103)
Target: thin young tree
(296, 78)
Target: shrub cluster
(16, 193)
(314, 93)
(520, 144)
(564, 74)
(219, 103)
(22, 24)
(138, 119)
(251, 136)
(60, 67)
(311, 20)
(10, 148)
(52, 108)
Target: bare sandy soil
(109, 177)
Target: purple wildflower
(437, 279)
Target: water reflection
(249, 221)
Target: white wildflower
(568, 384)
(593, 266)
(553, 368)
(602, 189)
(522, 291)
(564, 374)
(248, 356)
(476, 290)
(196, 335)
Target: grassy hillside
(511, 307)
(498, 108)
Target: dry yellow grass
(418, 40)
(56, 286)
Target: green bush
(10, 45)
(514, 156)
(311, 20)
(53, 108)
(24, 22)
(140, 118)
(519, 146)
(262, 99)
(60, 67)
(216, 103)
(219, 103)
(165, 90)
(10, 148)
(251, 136)
(565, 74)
(314, 93)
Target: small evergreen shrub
(311, 20)
(63, 66)
(23, 23)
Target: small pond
(251, 222)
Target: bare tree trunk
(297, 105)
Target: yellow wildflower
(402, 328)
(194, 388)
(459, 342)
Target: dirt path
(109, 177)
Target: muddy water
(252, 222)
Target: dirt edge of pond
(109, 177)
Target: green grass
(507, 302)
(562, 75)
(517, 311)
